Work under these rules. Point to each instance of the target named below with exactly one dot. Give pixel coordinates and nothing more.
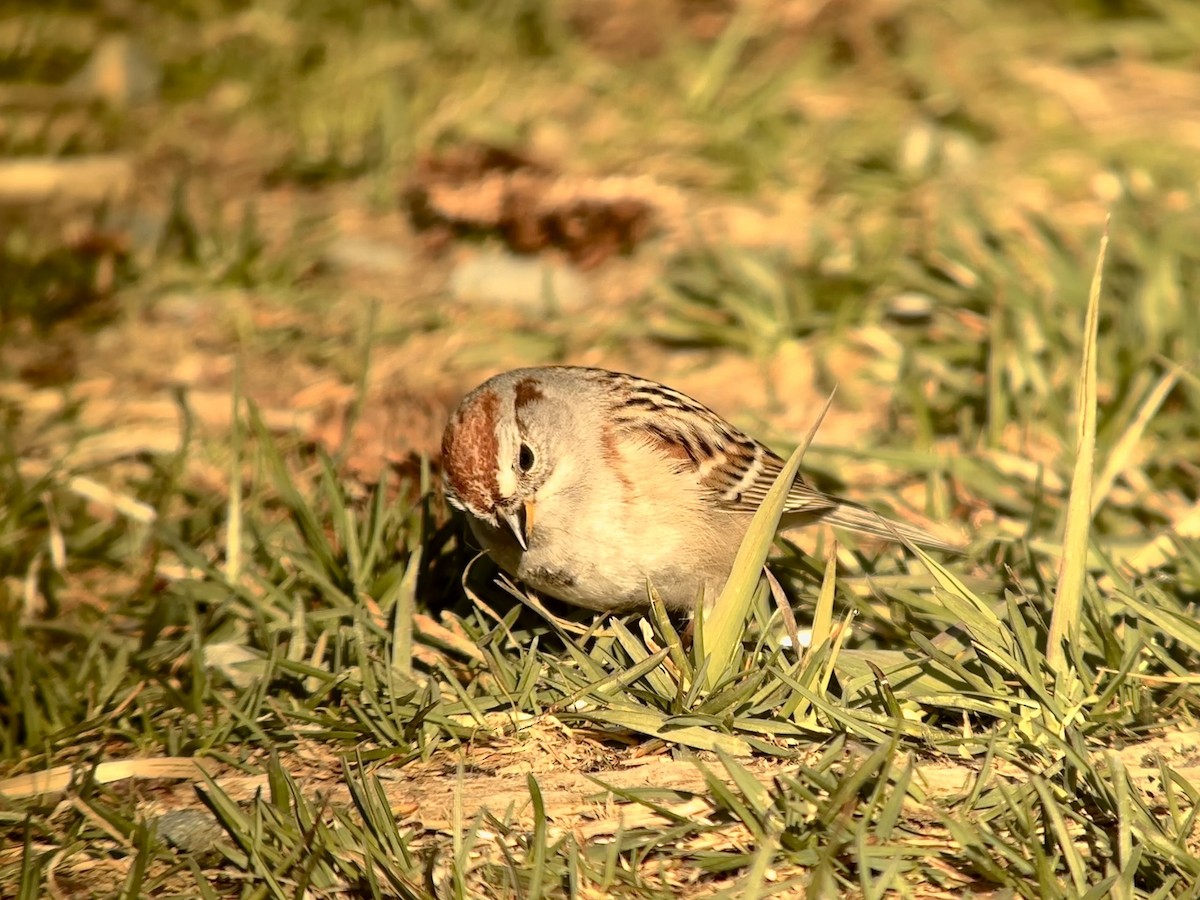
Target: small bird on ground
(588, 484)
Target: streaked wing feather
(801, 497)
(737, 470)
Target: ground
(252, 256)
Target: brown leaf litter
(482, 188)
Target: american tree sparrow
(587, 484)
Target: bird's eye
(525, 458)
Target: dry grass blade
(1119, 457)
(822, 623)
(655, 724)
(60, 778)
(233, 531)
(1068, 596)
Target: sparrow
(589, 485)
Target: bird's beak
(529, 508)
(514, 522)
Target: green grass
(235, 660)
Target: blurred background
(753, 201)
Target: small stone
(910, 307)
(917, 149)
(190, 830)
(184, 309)
(525, 283)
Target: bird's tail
(866, 521)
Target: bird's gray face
(492, 458)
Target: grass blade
(723, 625)
(1068, 597)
